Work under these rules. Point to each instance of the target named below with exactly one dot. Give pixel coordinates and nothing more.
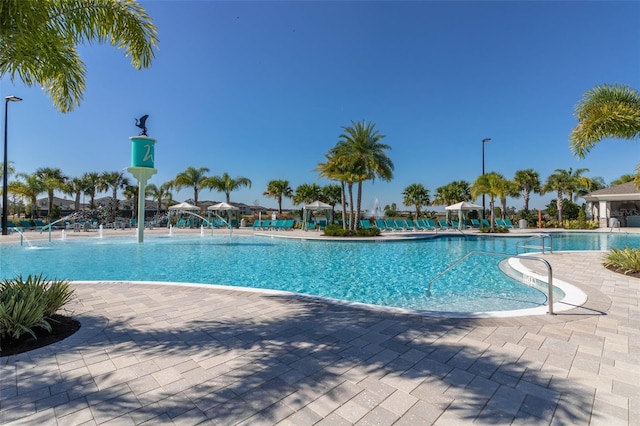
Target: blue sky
(262, 90)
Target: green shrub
(496, 230)
(337, 231)
(28, 304)
(627, 260)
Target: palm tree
(528, 181)
(39, 41)
(508, 188)
(92, 182)
(452, 193)
(159, 193)
(278, 189)
(113, 181)
(30, 189)
(364, 157)
(560, 181)
(622, 179)
(227, 184)
(192, 177)
(307, 193)
(335, 169)
(331, 194)
(416, 195)
(490, 184)
(52, 180)
(607, 111)
(75, 187)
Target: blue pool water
(382, 273)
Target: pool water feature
(394, 274)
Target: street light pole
(485, 140)
(5, 167)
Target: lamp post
(485, 140)
(5, 168)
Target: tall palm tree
(335, 169)
(576, 182)
(331, 194)
(92, 182)
(114, 181)
(416, 195)
(360, 145)
(508, 188)
(452, 193)
(622, 179)
(160, 193)
(490, 184)
(559, 181)
(75, 187)
(278, 189)
(227, 184)
(192, 177)
(30, 188)
(52, 180)
(39, 41)
(607, 111)
(307, 193)
(528, 181)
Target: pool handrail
(541, 236)
(509, 256)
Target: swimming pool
(395, 274)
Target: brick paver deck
(153, 354)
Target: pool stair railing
(507, 256)
(530, 243)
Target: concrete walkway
(151, 353)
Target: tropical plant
(26, 304)
(362, 157)
(92, 182)
(490, 184)
(75, 187)
(335, 169)
(332, 195)
(416, 195)
(452, 193)
(39, 41)
(226, 184)
(52, 180)
(160, 193)
(528, 182)
(561, 181)
(194, 178)
(507, 188)
(623, 179)
(307, 193)
(626, 260)
(606, 111)
(114, 181)
(278, 189)
(30, 188)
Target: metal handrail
(542, 237)
(509, 256)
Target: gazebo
(316, 206)
(228, 208)
(461, 208)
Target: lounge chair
(391, 224)
(26, 225)
(500, 223)
(475, 223)
(266, 224)
(288, 224)
(39, 224)
(409, 225)
(424, 225)
(364, 223)
(508, 223)
(12, 226)
(442, 224)
(485, 223)
(257, 224)
(322, 223)
(381, 225)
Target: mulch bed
(61, 328)
(621, 271)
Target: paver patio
(151, 353)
